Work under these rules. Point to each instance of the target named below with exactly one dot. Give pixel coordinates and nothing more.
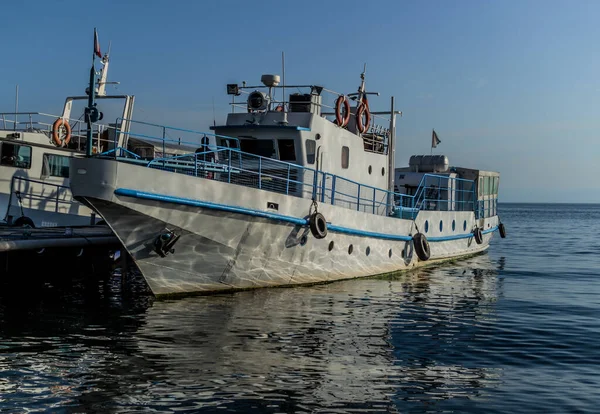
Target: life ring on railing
(478, 235)
(56, 126)
(363, 110)
(318, 225)
(421, 246)
(342, 111)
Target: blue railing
(487, 207)
(161, 135)
(233, 166)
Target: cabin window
(496, 179)
(227, 142)
(311, 147)
(55, 166)
(345, 157)
(261, 147)
(15, 155)
(287, 149)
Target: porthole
(370, 169)
(331, 245)
(465, 226)
(368, 252)
(390, 253)
(426, 226)
(453, 225)
(303, 240)
(441, 225)
(317, 136)
(382, 171)
(350, 249)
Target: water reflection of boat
(365, 344)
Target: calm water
(513, 330)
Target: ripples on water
(512, 330)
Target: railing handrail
(17, 177)
(367, 196)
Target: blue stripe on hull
(280, 217)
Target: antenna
(285, 120)
(214, 119)
(283, 79)
(16, 106)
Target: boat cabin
(438, 186)
(315, 129)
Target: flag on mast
(434, 139)
(96, 44)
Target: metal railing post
(323, 180)
(333, 180)
(259, 172)
(287, 183)
(229, 167)
(374, 192)
(358, 199)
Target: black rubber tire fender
(502, 230)
(24, 222)
(318, 225)
(478, 235)
(421, 246)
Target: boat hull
(231, 237)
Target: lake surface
(513, 330)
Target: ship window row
(488, 185)
(55, 166)
(19, 156)
(285, 151)
(15, 155)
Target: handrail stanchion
(287, 183)
(333, 180)
(323, 180)
(260, 172)
(374, 192)
(229, 166)
(358, 199)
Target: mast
(103, 76)
(91, 112)
(391, 155)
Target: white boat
(35, 149)
(287, 195)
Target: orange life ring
(55, 135)
(342, 121)
(363, 109)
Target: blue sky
(509, 86)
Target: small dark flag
(96, 45)
(434, 139)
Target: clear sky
(510, 86)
